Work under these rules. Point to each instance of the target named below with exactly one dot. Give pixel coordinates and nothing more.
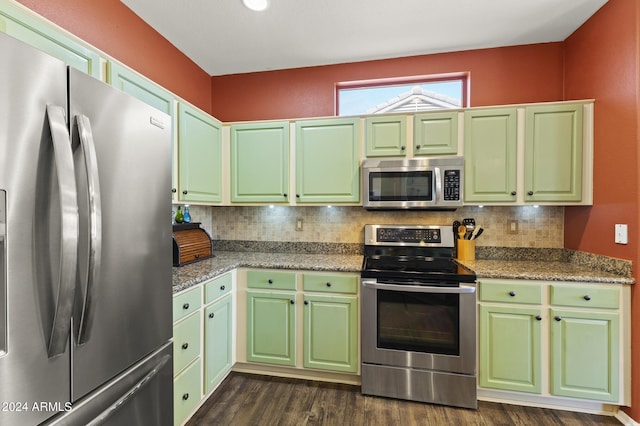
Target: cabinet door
(271, 329)
(585, 354)
(553, 153)
(186, 393)
(510, 339)
(260, 162)
(386, 136)
(199, 156)
(435, 133)
(186, 342)
(43, 36)
(331, 333)
(328, 161)
(490, 150)
(217, 342)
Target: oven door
(419, 326)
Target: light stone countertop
(190, 275)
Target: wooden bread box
(190, 244)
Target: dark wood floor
(244, 399)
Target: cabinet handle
(512, 293)
(538, 317)
(173, 190)
(211, 315)
(270, 281)
(587, 297)
(530, 193)
(185, 396)
(185, 345)
(292, 301)
(222, 287)
(557, 318)
(513, 193)
(417, 146)
(185, 306)
(328, 284)
(306, 302)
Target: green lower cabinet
(585, 354)
(186, 392)
(331, 333)
(510, 348)
(271, 330)
(217, 342)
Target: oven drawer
(584, 296)
(510, 292)
(267, 279)
(330, 283)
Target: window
(406, 95)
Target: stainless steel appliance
(418, 183)
(418, 317)
(85, 254)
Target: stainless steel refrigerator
(85, 253)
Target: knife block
(466, 249)
(190, 244)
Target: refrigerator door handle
(94, 253)
(109, 411)
(63, 158)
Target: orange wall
(531, 73)
(113, 28)
(602, 62)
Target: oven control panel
(408, 235)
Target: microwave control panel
(451, 185)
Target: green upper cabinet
(331, 333)
(218, 320)
(141, 88)
(435, 133)
(260, 162)
(328, 161)
(553, 153)
(585, 348)
(199, 156)
(15, 21)
(490, 151)
(386, 136)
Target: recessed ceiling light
(257, 5)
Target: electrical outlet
(512, 227)
(622, 235)
(299, 224)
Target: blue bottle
(186, 215)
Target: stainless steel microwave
(417, 183)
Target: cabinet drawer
(186, 342)
(271, 280)
(186, 393)
(585, 296)
(330, 283)
(186, 303)
(510, 292)
(218, 287)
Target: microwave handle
(438, 190)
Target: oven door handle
(419, 288)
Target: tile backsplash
(540, 227)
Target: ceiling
(223, 37)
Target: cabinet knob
(557, 318)
(513, 193)
(185, 345)
(173, 190)
(197, 256)
(587, 297)
(297, 195)
(185, 306)
(538, 317)
(284, 195)
(292, 301)
(185, 192)
(211, 315)
(530, 193)
(185, 396)
(270, 281)
(222, 287)
(328, 284)
(417, 146)
(512, 293)
(306, 302)
(402, 148)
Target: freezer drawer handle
(109, 411)
(93, 255)
(69, 233)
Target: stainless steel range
(418, 317)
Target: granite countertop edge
(188, 276)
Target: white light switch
(622, 236)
